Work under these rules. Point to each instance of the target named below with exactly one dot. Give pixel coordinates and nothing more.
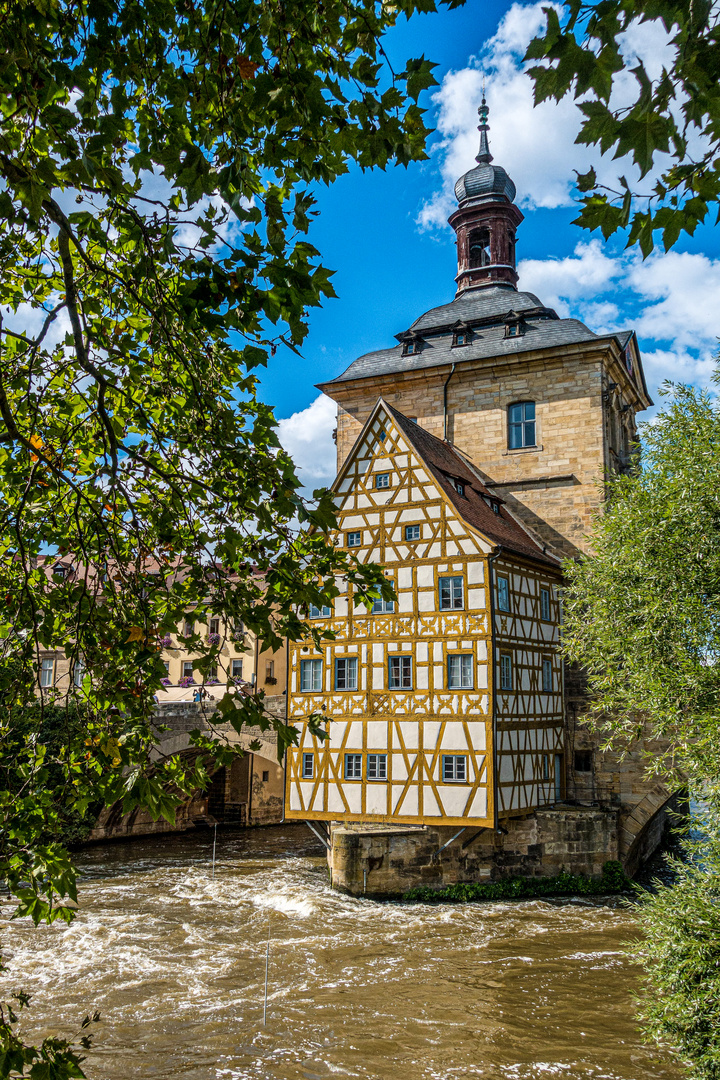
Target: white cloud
(307, 437)
(669, 299)
(582, 275)
(686, 288)
(536, 145)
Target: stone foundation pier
(382, 862)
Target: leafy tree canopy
(677, 114)
(157, 162)
(642, 616)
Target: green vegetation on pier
(613, 880)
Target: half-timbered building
(422, 724)
(471, 453)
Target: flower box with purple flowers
(187, 680)
(214, 639)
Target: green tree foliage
(642, 616)
(681, 953)
(157, 168)
(677, 114)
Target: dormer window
(461, 336)
(411, 347)
(514, 325)
(59, 571)
(459, 487)
(493, 504)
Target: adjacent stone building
(472, 450)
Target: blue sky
(385, 234)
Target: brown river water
(175, 962)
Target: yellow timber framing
(374, 719)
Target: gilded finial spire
(484, 156)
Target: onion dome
(485, 179)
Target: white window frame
(547, 675)
(452, 591)
(503, 593)
(350, 668)
(233, 673)
(314, 666)
(462, 678)
(47, 672)
(308, 766)
(544, 604)
(214, 625)
(506, 671)
(376, 767)
(354, 539)
(524, 428)
(383, 607)
(382, 481)
(78, 671)
(402, 679)
(412, 532)
(185, 673)
(352, 768)
(188, 627)
(454, 769)
(320, 613)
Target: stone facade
(582, 428)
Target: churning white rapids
(175, 963)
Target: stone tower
(543, 406)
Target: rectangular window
(311, 675)
(583, 761)
(78, 672)
(558, 777)
(353, 766)
(545, 767)
(545, 605)
(506, 679)
(381, 607)
(188, 628)
(47, 670)
(354, 539)
(377, 767)
(214, 626)
(346, 673)
(187, 669)
(269, 669)
(521, 425)
(503, 594)
(320, 613)
(167, 666)
(308, 766)
(547, 674)
(382, 480)
(454, 768)
(412, 532)
(400, 673)
(451, 593)
(236, 669)
(212, 673)
(460, 672)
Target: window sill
(523, 450)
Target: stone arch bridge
(248, 792)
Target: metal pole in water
(267, 964)
(214, 843)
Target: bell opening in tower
(479, 248)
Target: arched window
(521, 424)
(479, 248)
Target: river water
(175, 962)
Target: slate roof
(484, 310)
(444, 464)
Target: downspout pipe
(492, 671)
(445, 414)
